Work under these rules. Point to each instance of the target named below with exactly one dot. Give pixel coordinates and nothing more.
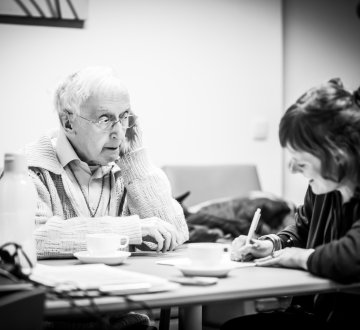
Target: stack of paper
(99, 276)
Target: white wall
(199, 72)
(321, 41)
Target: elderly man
(94, 175)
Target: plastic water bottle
(18, 206)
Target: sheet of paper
(186, 261)
(174, 262)
(93, 276)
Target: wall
(321, 41)
(200, 74)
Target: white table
(243, 283)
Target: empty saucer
(114, 258)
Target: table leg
(190, 317)
(164, 322)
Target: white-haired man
(94, 175)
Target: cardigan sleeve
(149, 191)
(57, 237)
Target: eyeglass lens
(126, 122)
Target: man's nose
(117, 130)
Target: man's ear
(66, 119)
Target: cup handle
(124, 245)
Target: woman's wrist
(274, 239)
(305, 257)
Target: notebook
(101, 277)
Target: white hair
(79, 86)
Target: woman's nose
(294, 168)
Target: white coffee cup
(105, 243)
(205, 254)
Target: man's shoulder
(42, 154)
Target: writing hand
(240, 251)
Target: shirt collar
(64, 149)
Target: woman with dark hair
(321, 131)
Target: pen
(253, 225)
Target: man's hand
(163, 233)
(133, 140)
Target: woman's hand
(163, 233)
(289, 257)
(240, 251)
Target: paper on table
(94, 276)
(174, 262)
(186, 261)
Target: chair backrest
(206, 182)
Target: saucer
(218, 271)
(114, 258)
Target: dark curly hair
(325, 122)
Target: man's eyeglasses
(126, 121)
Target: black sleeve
(338, 260)
(297, 233)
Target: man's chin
(107, 160)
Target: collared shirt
(95, 181)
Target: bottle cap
(15, 162)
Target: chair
(22, 310)
(206, 182)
